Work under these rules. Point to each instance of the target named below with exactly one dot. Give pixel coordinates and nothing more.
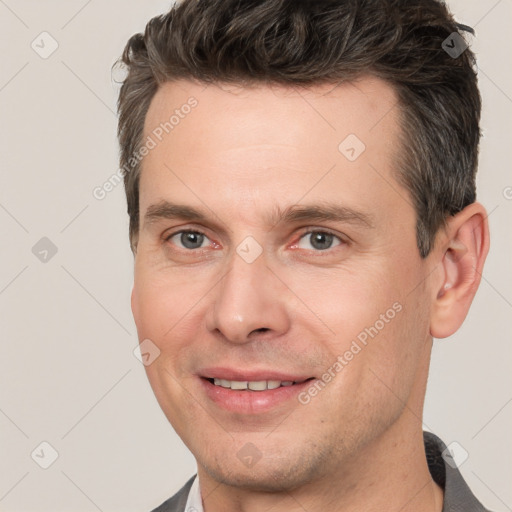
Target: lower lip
(252, 402)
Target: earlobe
(461, 260)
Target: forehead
(258, 113)
(234, 144)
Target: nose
(248, 301)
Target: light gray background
(68, 373)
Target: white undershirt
(194, 502)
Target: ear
(461, 251)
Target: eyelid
(315, 229)
(169, 233)
(167, 237)
(344, 239)
(341, 237)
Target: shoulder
(445, 472)
(177, 502)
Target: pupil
(321, 241)
(189, 240)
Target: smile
(257, 385)
(252, 397)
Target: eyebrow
(324, 211)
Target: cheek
(161, 300)
(374, 321)
(169, 309)
(348, 301)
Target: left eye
(188, 239)
(319, 240)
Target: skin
(239, 155)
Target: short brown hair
(304, 42)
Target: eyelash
(308, 231)
(322, 231)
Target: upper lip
(250, 375)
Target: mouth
(254, 395)
(255, 385)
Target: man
(300, 179)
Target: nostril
(261, 329)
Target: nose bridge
(247, 299)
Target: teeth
(259, 385)
(273, 384)
(239, 384)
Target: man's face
(259, 289)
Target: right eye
(188, 239)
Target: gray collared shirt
(457, 495)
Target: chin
(268, 475)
